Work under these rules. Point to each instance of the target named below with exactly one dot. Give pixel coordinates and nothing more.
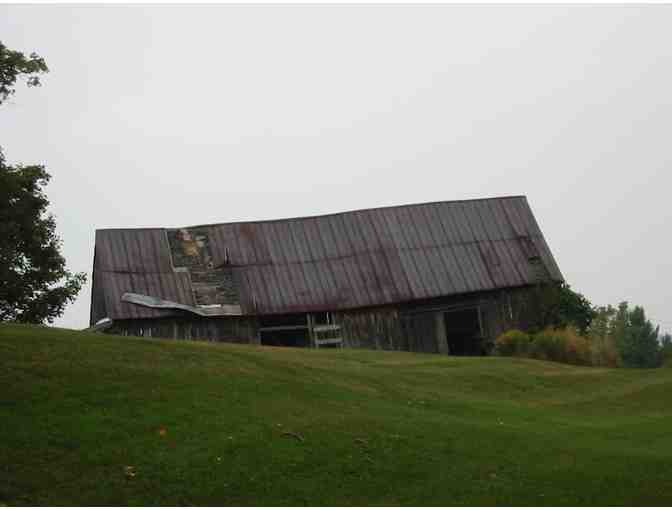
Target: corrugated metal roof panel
(318, 253)
(455, 277)
(345, 254)
(347, 260)
(404, 247)
(418, 236)
(397, 274)
(377, 259)
(317, 279)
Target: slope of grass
(100, 420)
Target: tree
(600, 327)
(642, 341)
(635, 337)
(14, 64)
(600, 335)
(35, 286)
(666, 348)
(559, 306)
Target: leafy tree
(636, 338)
(600, 335)
(600, 326)
(666, 342)
(574, 308)
(14, 64)
(559, 306)
(666, 348)
(619, 325)
(35, 286)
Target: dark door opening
(463, 332)
(284, 331)
(286, 338)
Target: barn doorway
(463, 332)
(284, 331)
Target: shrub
(561, 345)
(667, 361)
(512, 343)
(578, 349)
(546, 345)
(604, 352)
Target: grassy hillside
(101, 420)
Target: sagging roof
(337, 261)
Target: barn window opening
(463, 332)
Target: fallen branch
(294, 435)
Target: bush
(512, 343)
(667, 361)
(560, 345)
(546, 345)
(604, 352)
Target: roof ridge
(294, 218)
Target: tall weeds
(564, 345)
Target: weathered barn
(444, 277)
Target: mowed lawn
(90, 419)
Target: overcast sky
(158, 116)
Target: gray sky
(178, 115)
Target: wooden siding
(372, 329)
(232, 330)
(416, 327)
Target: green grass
(378, 428)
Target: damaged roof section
(338, 261)
(203, 311)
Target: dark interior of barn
(290, 330)
(463, 332)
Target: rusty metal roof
(336, 261)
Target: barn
(442, 277)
